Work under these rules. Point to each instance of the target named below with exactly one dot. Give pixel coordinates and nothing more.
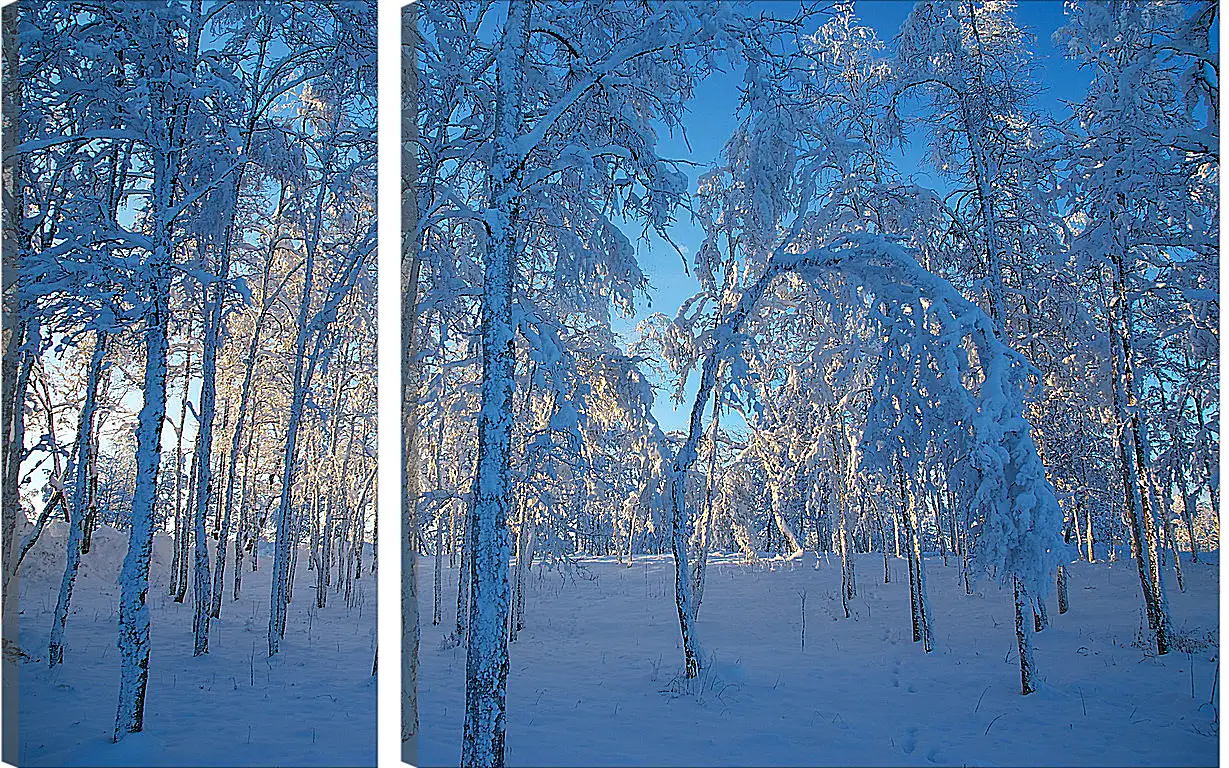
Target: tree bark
(1024, 644)
(80, 498)
(486, 662)
(134, 574)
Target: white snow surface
(595, 675)
(312, 705)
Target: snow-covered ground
(595, 674)
(313, 704)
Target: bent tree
(935, 336)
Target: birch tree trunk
(204, 477)
(1125, 402)
(1024, 643)
(91, 509)
(486, 662)
(280, 587)
(700, 568)
(928, 642)
(134, 574)
(915, 616)
(461, 632)
(1063, 598)
(179, 514)
(80, 498)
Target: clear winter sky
(712, 119)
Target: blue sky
(712, 119)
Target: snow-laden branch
(113, 134)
